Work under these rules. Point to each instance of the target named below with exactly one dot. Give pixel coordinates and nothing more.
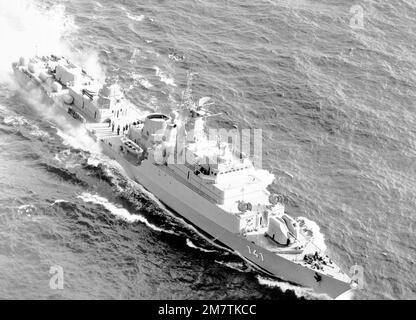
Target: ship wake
(300, 292)
(120, 211)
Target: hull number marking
(254, 252)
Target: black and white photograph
(207, 150)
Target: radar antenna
(195, 110)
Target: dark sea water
(337, 109)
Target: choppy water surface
(337, 109)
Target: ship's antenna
(187, 96)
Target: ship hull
(205, 215)
(202, 214)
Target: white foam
(190, 244)
(135, 18)
(67, 159)
(15, 120)
(318, 236)
(300, 292)
(79, 139)
(175, 57)
(232, 265)
(119, 211)
(145, 83)
(37, 132)
(164, 77)
(75, 136)
(57, 157)
(59, 201)
(151, 196)
(142, 81)
(95, 160)
(27, 209)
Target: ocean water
(336, 104)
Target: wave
(137, 78)
(7, 131)
(63, 173)
(15, 121)
(78, 138)
(136, 195)
(58, 201)
(27, 209)
(164, 77)
(135, 18)
(70, 159)
(20, 121)
(176, 57)
(318, 236)
(139, 198)
(58, 155)
(238, 266)
(19, 134)
(190, 244)
(121, 8)
(145, 83)
(95, 160)
(119, 211)
(38, 133)
(300, 292)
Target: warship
(209, 183)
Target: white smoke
(89, 61)
(29, 28)
(75, 136)
(300, 292)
